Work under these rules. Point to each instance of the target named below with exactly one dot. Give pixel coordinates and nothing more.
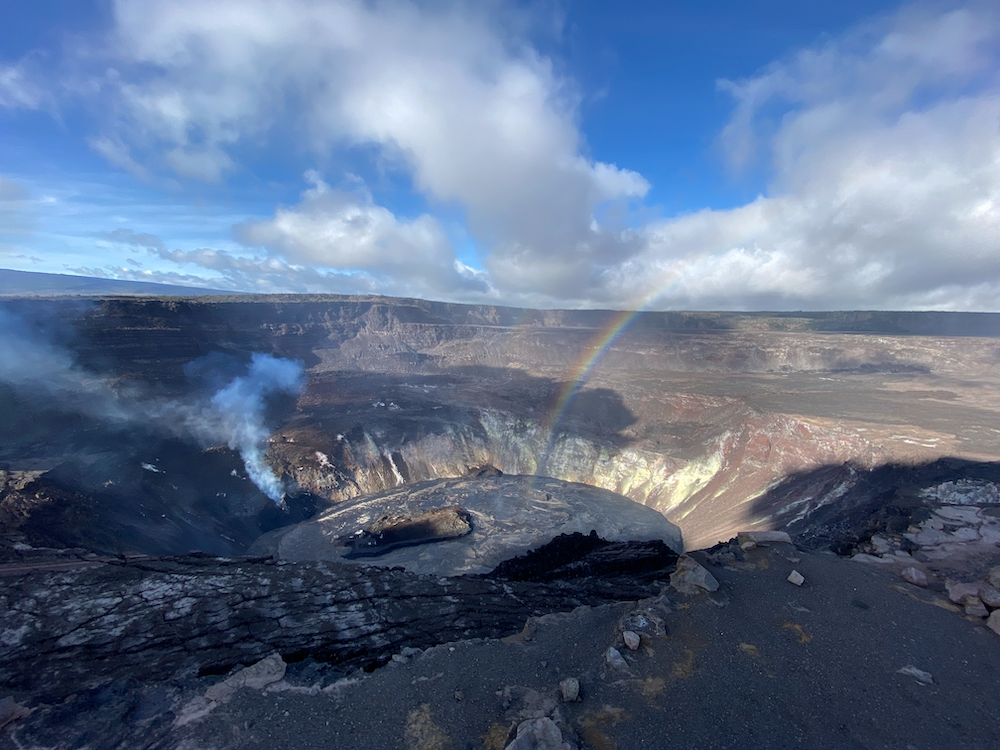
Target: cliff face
(695, 415)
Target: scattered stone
(993, 622)
(10, 711)
(989, 595)
(615, 658)
(400, 659)
(993, 577)
(881, 545)
(631, 640)
(459, 695)
(974, 607)
(569, 690)
(539, 734)
(691, 578)
(410, 652)
(915, 576)
(924, 678)
(796, 577)
(256, 676)
(958, 592)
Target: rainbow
(592, 355)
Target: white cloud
(118, 154)
(346, 231)
(205, 164)
(886, 179)
(18, 90)
(470, 110)
(882, 146)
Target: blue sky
(710, 155)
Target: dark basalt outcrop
(571, 556)
(393, 532)
(64, 631)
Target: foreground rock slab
(65, 630)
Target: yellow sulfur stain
(591, 724)
(684, 669)
(803, 636)
(422, 733)
(652, 686)
(750, 650)
(495, 737)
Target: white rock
(631, 640)
(990, 534)
(615, 658)
(796, 577)
(256, 676)
(915, 576)
(965, 515)
(569, 689)
(924, 678)
(965, 534)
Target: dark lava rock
(577, 555)
(393, 532)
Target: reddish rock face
(722, 422)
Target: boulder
(539, 734)
(959, 592)
(993, 577)
(989, 595)
(993, 622)
(796, 577)
(691, 577)
(974, 607)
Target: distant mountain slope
(31, 284)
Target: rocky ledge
(64, 630)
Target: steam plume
(240, 411)
(234, 413)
